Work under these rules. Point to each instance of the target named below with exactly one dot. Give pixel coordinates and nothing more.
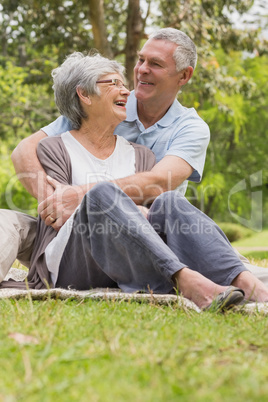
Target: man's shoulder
(58, 126)
(191, 118)
(179, 117)
(187, 113)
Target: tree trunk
(134, 34)
(97, 19)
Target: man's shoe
(227, 299)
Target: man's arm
(166, 175)
(28, 168)
(143, 188)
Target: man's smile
(145, 82)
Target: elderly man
(177, 136)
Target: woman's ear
(83, 96)
(185, 75)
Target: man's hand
(57, 208)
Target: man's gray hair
(80, 71)
(185, 54)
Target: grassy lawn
(256, 240)
(125, 351)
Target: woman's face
(110, 105)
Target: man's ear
(185, 75)
(83, 96)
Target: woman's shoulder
(53, 146)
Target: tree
(97, 18)
(135, 31)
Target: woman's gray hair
(80, 71)
(185, 54)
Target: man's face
(155, 75)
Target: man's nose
(144, 68)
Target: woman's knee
(103, 189)
(107, 197)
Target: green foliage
(12, 193)
(25, 107)
(236, 112)
(207, 22)
(35, 32)
(30, 26)
(116, 17)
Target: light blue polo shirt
(181, 132)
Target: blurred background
(229, 88)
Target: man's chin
(143, 93)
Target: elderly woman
(108, 242)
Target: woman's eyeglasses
(114, 81)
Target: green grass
(246, 245)
(256, 240)
(256, 255)
(125, 351)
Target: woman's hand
(143, 210)
(57, 208)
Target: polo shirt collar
(175, 110)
